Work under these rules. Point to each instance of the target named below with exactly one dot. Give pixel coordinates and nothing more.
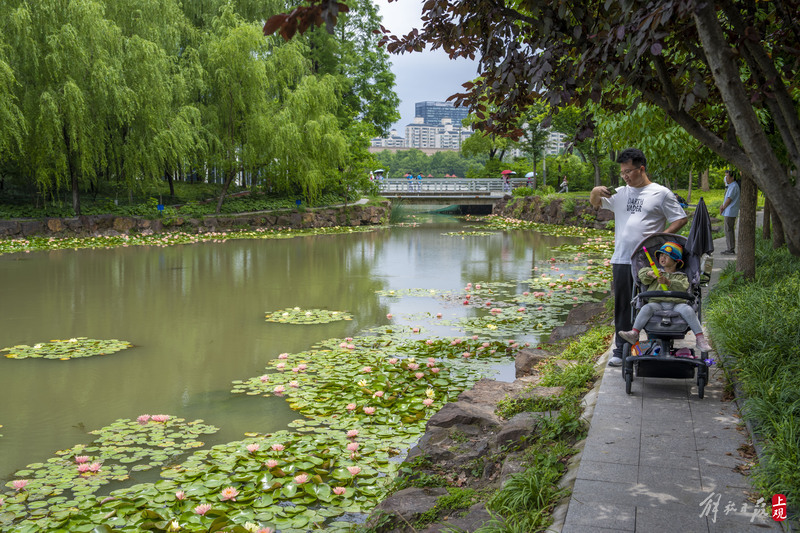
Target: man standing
(641, 208)
(730, 210)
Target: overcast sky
(425, 75)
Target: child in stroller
(669, 257)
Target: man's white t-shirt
(639, 212)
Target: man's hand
(598, 193)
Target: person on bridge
(410, 177)
(419, 182)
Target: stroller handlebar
(668, 294)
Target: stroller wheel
(629, 381)
(701, 385)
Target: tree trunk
(778, 238)
(689, 194)
(746, 239)
(759, 159)
(765, 227)
(704, 181)
(168, 174)
(228, 180)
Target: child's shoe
(631, 336)
(702, 344)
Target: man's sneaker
(728, 252)
(615, 361)
(702, 344)
(630, 336)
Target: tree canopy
(726, 72)
(129, 92)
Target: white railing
(447, 186)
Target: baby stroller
(657, 356)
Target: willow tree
(310, 149)
(165, 128)
(245, 82)
(12, 121)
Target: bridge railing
(448, 186)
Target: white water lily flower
(37, 346)
(296, 308)
(430, 393)
(362, 383)
(73, 340)
(285, 314)
(308, 313)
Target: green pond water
(196, 316)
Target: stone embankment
(95, 225)
(475, 447)
(550, 210)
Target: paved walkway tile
(662, 460)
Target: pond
(195, 315)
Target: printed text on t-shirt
(635, 205)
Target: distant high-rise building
(432, 113)
(437, 125)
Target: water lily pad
(66, 349)
(295, 315)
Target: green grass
(756, 327)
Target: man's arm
(598, 193)
(677, 225)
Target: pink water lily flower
(428, 342)
(82, 459)
(228, 493)
(279, 389)
(296, 369)
(435, 370)
(413, 366)
(283, 356)
(95, 467)
(180, 495)
(438, 315)
(428, 402)
(366, 369)
(278, 447)
(339, 490)
(300, 479)
(83, 468)
(389, 316)
(302, 366)
(378, 394)
(351, 346)
(264, 378)
(343, 345)
(159, 418)
(280, 366)
(414, 330)
(350, 406)
(271, 463)
(142, 419)
(419, 375)
(353, 446)
(354, 470)
(202, 509)
(369, 410)
(353, 433)
(294, 384)
(19, 484)
(393, 361)
(253, 448)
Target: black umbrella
(700, 240)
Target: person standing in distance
(640, 208)
(730, 210)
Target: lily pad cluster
(47, 495)
(66, 349)
(295, 315)
(37, 243)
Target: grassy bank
(756, 329)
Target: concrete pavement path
(661, 460)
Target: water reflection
(196, 316)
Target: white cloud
(420, 76)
